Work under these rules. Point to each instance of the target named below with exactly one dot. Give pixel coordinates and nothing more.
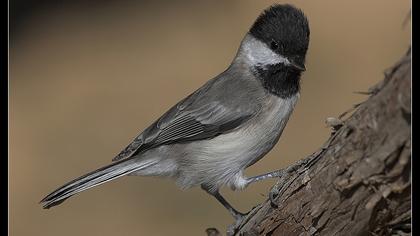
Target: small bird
(209, 138)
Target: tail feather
(93, 179)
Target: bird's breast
(264, 131)
(249, 142)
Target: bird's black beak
(298, 66)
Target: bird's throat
(279, 79)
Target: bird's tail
(95, 178)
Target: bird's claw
(272, 197)
(233, 228)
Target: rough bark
(359, 183)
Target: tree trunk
(359, 183)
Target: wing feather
(191, 119)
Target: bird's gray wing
(197, 117)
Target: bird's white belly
(221, 160)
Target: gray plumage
(211, 136)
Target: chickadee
(227, 125)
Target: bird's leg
(236, 214)
(286, 174)
(274, 174)
(232, 229)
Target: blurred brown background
(86, 78)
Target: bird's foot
(274, 192)
(233, 228)
(289, 175)
(282, 184)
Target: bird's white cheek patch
(258, 53)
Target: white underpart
(258, 53)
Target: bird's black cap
(285, 29)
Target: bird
(210, 137)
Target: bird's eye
(274, 45)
